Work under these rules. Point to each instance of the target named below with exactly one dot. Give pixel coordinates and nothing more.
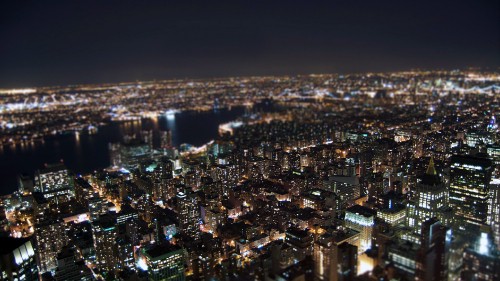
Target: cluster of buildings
(391, 187)
(29, 116)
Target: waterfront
(85, 153)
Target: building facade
(469, 189)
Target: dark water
(86, 153)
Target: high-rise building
(301, 242)
(493, 152)
(346, 187)
(50, 237)
(97, 206)
(403, 255)
(429, 201)
(104, 232)
(69, 269)
(166, 138)
(127, 223)
(114, 154)
(161, 175)
(165, 262)
(477, 138)
(124, 252)
(17, 260)
(361, 219)
(54, 182)
(432, 258)
(25, 183)
(83, 191)
(147, 137)
(189, 214)
(334, 255)
(494, 210)
(481, 260)
(469, 189)
(346, 259)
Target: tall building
(493, 152)
(189, 214)
(403, 255)
(165, 139)
(301, 242)
(69, 269)
(469, 189)
(97, 206)
(361, 219)
(25, 183)
(54, 182)
(432, 258)
(147, 137)
(114, 154)
(83, 191)
(104, 232)
(17, 260)
(346, 187)
(161, 175)
(335, 257)
(124, 252)
(429, 201)
(165, 262)
(346, 259)
(494, 210)
(50, 237)
(127, 223)
(481, 260)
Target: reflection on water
(84, 153)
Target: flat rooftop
(361, 210)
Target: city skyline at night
(250, 141)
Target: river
(85, 153)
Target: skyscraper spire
(430, 169)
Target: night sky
(64, 42)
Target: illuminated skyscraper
(166, 138)
(469, 189)
(481, 260)
(97, 206)
(189, 214)
(114, 154)
(335, 257)
(124, 252)
(104, 232)
(361, 219)
(165, 262)
(147, 137)
(494, 210)
(83, 191)
(161, 175)
(50, 237)
(432, 258)
(68, 269)
(392, 210)
(127, 222)
(17, 260)
(55, 183)
(430, 200)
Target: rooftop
(159, 250)
(9, 244)
(471, 160)
(361, 210)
